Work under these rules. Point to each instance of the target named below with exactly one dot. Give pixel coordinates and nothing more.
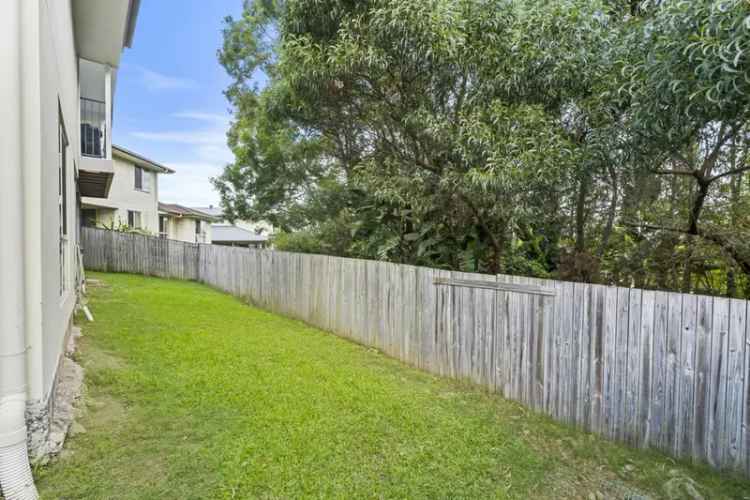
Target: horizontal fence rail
(649, 368)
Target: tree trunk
(583, 187)
(698, 201)
(731, 283)
(687, 270)
(607, 232)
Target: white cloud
(207, 147)
(201, 116)
(194, 137)
(190, 184)
(154, 80)
(215, 153)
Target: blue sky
(169, 104)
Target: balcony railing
(93, 128)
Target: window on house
(62, 198)
(88, 217)
(62, 177)
(146, 181)
(134, 219)
(197, 227)
(139, 178)
(93, 128)
(162, 226)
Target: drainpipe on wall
(16, 482)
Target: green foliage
(693, 62)
(498, 135)
(121, 227)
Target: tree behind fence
(649, 368)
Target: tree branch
(734, 253)
(721, 140)
(690, 173)
(730, 172)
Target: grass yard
(192, 394)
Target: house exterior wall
(258, 227)
(40, 97)
(49, 96)
(206, 232)
(58, 84)
(123, 196)
(183, 229)
(261, 227)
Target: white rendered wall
(261, 227)
(183, 229)
(123, 197)
(58, 85)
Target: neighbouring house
(234, 236)
(237, 233)
(59, 60)
(177, 222)
(133, 199)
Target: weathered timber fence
(649, 368)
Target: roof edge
(133, 9)
(140, 160)
(183, 211)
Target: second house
(132, 195)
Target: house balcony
(96, 168)
(93, 128)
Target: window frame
(132, 215)
(138, 179)
(163, 226)
(145, 180)
(88, 221)
(62, 201)
(62, 174)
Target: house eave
(133, 10)
(103, 28)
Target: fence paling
(649, 368)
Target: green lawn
(192, 394)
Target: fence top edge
(658, 294)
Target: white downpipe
(16, 482)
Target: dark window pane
(93, 125)
(88, 217)
(138, 178)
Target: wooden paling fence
(648, 368)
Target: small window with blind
(198, 238)
(162, 226)
(146, 181)
(134, 219)
(140, 179)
